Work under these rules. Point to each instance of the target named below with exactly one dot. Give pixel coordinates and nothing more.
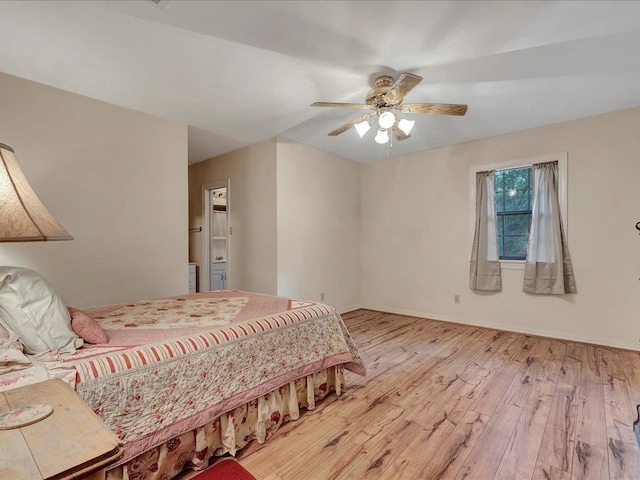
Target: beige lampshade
(23, 218)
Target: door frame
(207, 207)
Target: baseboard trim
(344, 310)
(499, 326)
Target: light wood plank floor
(448, 401)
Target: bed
(185, 378)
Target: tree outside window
(513, 197)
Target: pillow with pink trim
(86, 327)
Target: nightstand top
(70, 443)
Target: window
(506, 214)
(513, 197)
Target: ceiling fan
(386, 96)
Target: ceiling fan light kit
(362, 127)
(386, 120)
(406, 126)
(388, 95)
(382, 137)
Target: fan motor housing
(375, 96)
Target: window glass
(515, 247)
(513, 208)
(499, 200)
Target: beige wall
(318, 226)
(416, 231)
(115, 178)
(252, 206)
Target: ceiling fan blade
(350, 124)
(401, 87)
(400, 135)
(363, 106)
(439, 108)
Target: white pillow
(9, 339)
(31, 308)
(13, 318)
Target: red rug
(225, 469)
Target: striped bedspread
(174, 364)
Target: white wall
(252, 207)
(117, 181)
(318, 226)
(415, 233)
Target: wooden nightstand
(71, 443)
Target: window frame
(560, 157)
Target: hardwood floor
(448, 401)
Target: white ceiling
(238, 72)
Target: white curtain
(548, 266)
(484, 271)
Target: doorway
(215, 274)
(218, 233)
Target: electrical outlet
(322, 297)
(456, 299)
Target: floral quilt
(172, 365)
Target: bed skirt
(257, 420)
